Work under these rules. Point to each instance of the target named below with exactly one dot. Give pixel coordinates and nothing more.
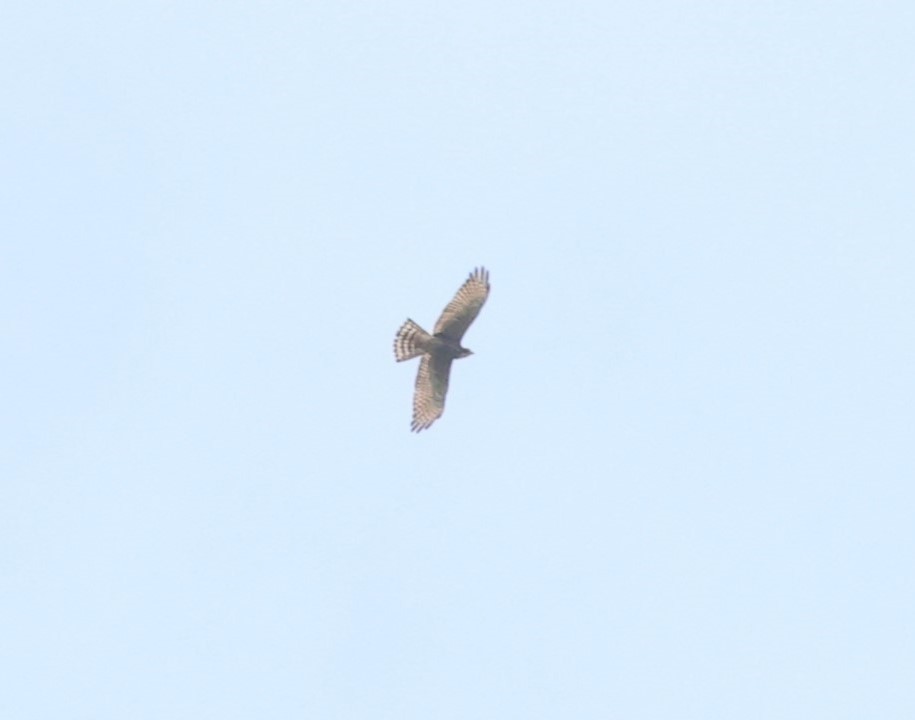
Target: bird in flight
(440, 348)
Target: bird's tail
(410, 341)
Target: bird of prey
(440, 348)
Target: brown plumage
(439, 349)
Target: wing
(431, 386)
(465, 306)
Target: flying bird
(440, 348)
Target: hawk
(440, 348)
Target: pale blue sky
(675, 481)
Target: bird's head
(465, 352)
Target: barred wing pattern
(464, 308)
(431, 386)
(438, 351)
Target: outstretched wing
(431, 386)
(465, 306)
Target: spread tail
(409, 341)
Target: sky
(675, 479)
